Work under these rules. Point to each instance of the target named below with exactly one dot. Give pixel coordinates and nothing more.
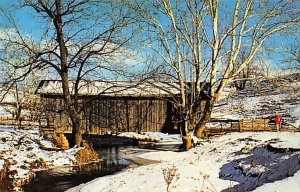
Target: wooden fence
(24, 121)
(224, 126)
(254, 125)
(240, 126)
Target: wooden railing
(254, 125)
(231, 125)
(24, 121)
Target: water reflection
(112, 156)
(61, 179)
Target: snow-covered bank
(262, 100)
(152, 137)
(27, 150)
(218, 164)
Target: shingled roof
(112, 88)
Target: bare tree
(251, 74)
(204, 41)
(79, 41)
(21, 94)
(292, 55)
(20, 90)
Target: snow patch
(296, 113)
(2, 162)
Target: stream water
(60, 179)
(112, 161)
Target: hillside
(262, 100)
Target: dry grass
(60, 140)
(4, 171)
(39, 163)
(171, 175)
(85, 155)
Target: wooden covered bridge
(109, 107)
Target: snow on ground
(296, 113)
(289, 141)
(262, 100)
(25, 148)
(3, 112)
(290, 184)
(235, 161)
(152, 136)
(1, 164)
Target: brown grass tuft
(60, 140)
(39, 163)
(85, 155)
(4, 171)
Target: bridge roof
(112, 88)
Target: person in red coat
(277, 121)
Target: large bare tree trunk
(18, 113)
(200, 126)
(76, 130)
(70, 102)
(74, 115)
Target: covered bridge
(114, 106)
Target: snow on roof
(112, 88)
(7, 95)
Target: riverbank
(236, 161)
(114, 160)
(25, 150)
(231, 162)
(63, 178)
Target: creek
(113, 159)
(63, 178)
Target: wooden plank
(100, 116)
(139, 115)
(127, 114)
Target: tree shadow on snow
(260, 166)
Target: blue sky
(24, 18)
(32, 25)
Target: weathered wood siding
(104, 115)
